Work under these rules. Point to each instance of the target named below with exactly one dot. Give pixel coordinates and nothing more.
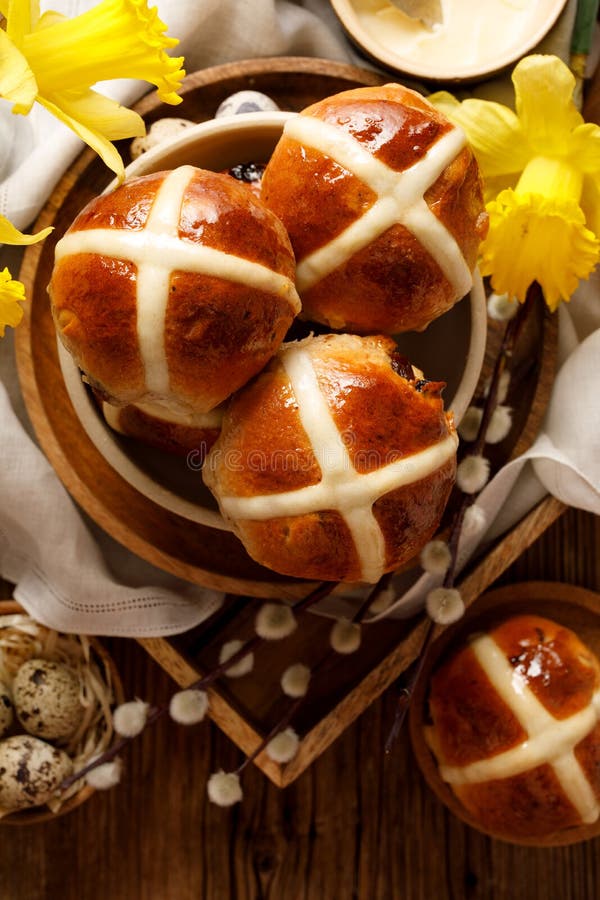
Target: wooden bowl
(150, 526)
(38, 814)
(574, 607)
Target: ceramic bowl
(451, 349)
(473, 42)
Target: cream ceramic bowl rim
(346, 13)
(107, 442)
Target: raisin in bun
(336, 462)
(161, 428)
(383, 203)
(175, 288)
(516, 728)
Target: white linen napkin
(72, 576)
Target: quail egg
(30, 771)
(6, 709)
(46, 698)
(243, 102)
(159, 131)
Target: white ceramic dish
(488, 36)
(450, 350)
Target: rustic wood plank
(356, 823)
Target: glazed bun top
(174, 289)
(336, 462)
(383, 202)
(516, 731)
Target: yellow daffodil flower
(12, 293)
(541, 171)
(54, 61)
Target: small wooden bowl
(37, 814)
(574, 607)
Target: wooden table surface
(356, 826)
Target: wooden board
(246, 709)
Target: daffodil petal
(21, 18)
(17, 81)
(584, 148)
(50, 17)
(12, 293)
(113, 39)
(535, 238)
(101, 114)
(493, 131)
(11, 235)
(98, 142)
(544, 88)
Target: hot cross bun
(516, 728)
(336, 462)
(175, 288)
(383, 202)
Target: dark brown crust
(168, 436)
(94, 310)
(219, 333)
(243, 227)
(560, 670)
(263, 449)
(529, 805)
(410, 516)
(394, 284)
(325, 197)
(381, 416)
(316, 546)
(471, 722)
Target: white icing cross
(157, 251)
(400, 201)
(341, 487)
(549, 740)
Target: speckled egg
(159, 131)
(30, 771)
(244, 102)
(46, 698)
(6, 709)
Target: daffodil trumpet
(541, 170)
(55, 61)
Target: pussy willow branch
(157, 712)
(514, 327)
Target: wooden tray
(246, 709)
(574, 607)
